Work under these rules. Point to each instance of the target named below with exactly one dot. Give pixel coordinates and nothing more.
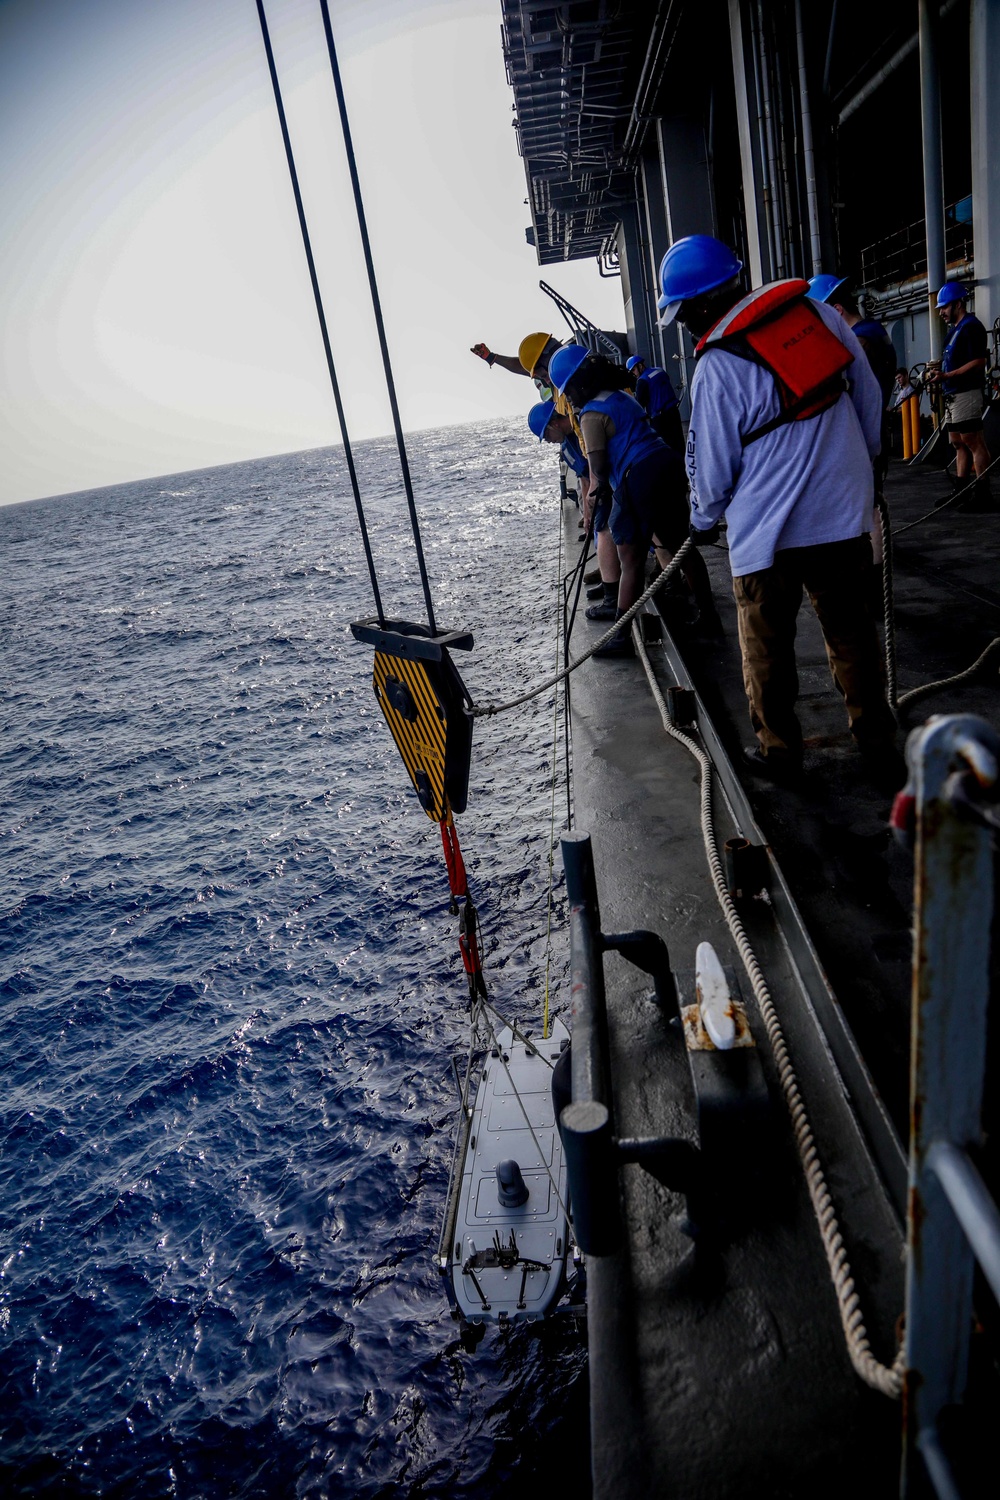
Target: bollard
(907, 427)
(585, 1125)
(914, 405)
(592, 1169)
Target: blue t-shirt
(968, 341)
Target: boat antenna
(377, 309)
(348, 453)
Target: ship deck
(731, 1376)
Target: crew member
(533, 355)
(637, 482)
(962, 377)
(789, 466)
(874, 340)
(655, 393)
(902, 389)
(551, 426)
(532, 359)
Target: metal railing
(903, 254)
(583, 330)
(953, 1220)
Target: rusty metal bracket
(954, 764)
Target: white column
(984, 60)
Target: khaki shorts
(963, 412)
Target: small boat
(506, 1240)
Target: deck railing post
(953, 908)
(586, 1124)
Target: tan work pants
(834, 575)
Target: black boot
(619, 645)
(956, 485)
(978, 500)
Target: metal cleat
(729, 1084)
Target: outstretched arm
(505, 361)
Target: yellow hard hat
(530, 349)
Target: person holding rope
(786, 419)
(637, 482)
(654, 391)
(962, 378)
(875, 341)
(533, 355)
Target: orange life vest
(777, 327)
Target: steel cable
(320, 312)
(885, 1378)
(377, 309)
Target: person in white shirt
(792, 477)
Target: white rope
(947, 504)
(931, 687)
(487, 710)
(885, 1378)
(888, 604)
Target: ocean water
(230, 987)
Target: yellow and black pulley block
(426, 706)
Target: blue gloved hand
(704, 538)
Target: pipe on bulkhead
(765, 176)
(930, 128)
(772, 149)
(808, 152)
(784, 110)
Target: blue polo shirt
(968, 341)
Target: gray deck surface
(730, 1378)
(852, 883)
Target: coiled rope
(487, 710)
(885, 1378)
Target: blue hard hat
(564, 364)
(952, 291)
(633, 360)
(822, 288)
(540, 416)
(692, 266)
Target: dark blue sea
(230, 986)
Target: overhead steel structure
(771, 124)
(573, 69)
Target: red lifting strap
(470, 945)
(457, 879)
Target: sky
(155, 308)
